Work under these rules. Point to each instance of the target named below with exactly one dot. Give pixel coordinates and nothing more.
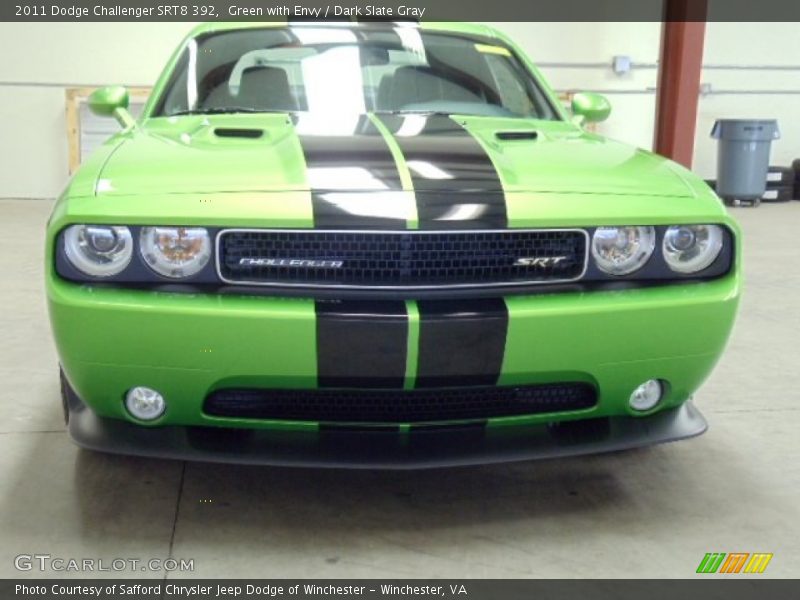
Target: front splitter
(420, 448)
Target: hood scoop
(516, 136)
(238, 132)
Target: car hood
(278, 152)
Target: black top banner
(400, 10)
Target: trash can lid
(753, 130)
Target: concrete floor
(649, 513)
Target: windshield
(351, 70)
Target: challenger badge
(295, 263)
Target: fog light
(145, 404)
(647, 395)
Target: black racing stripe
(448, 210)
(455, 183)
(361, 343)
(337, 194)
(461, 342)
(463, 427)
(358, 210)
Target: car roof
(452, 27)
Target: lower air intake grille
(401, 259)
(398, 406)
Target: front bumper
(364, 449)
(189, 345)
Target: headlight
(692, 248)
(175, 251)
(98, 250)
(622, 250)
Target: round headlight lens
(144, 403)
(692, 248)
(647, 395)
(98, 250)
(175, 251)
(622, 250)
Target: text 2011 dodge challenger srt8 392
(379, 245)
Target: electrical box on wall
(621, 64)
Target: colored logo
(735, 562)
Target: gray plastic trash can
(743, 157)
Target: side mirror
(593, 108)
(112, 101)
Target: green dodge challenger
(379, 245)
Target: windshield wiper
(425, 113)
(225, 110)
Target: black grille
(399, 406)
(400, 259)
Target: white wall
(753, 45)
(41, 60)
(577, 56)
(736, 45)
(35, 73)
